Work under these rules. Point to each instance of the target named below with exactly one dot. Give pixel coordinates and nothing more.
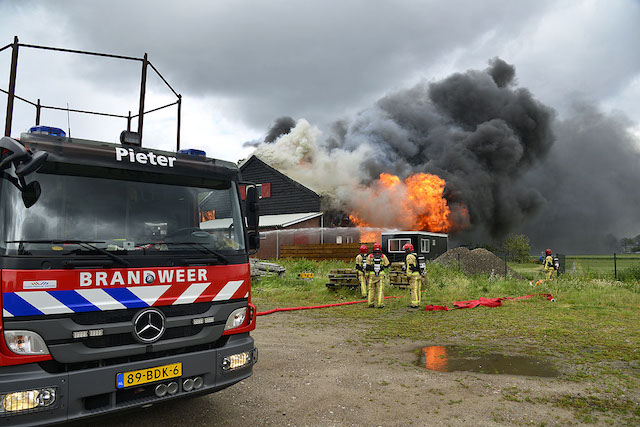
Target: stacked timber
(261, 268)
(343, 278)
(348, 277)
(397, 276)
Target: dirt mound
(476, 261)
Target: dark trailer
(429, 245)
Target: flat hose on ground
(487, 302)
(261, 313)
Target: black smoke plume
(281, 126)
(476, 130)
(589, 181)
(504, 155)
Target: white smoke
(334, 175)
(337, 175)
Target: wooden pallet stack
(343, 278)
(348, 278)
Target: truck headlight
(27, 400)
(236, 318)
(25, 342)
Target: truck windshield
(118, 211)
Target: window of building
(264, 190)
(395, 245)
(424, 246)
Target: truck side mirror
(253, 209)
(253, 217)
(254, 241)
(31, 194)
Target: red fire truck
(124, 273)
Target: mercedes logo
(148, 326)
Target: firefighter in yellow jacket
(549, 265)
(377, 266)
(413, 274)
(361, 265)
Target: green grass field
(601, 266)
(592, 330)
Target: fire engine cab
(115, 291)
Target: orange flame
(422, 205)
(365, 236)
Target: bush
(517, 247)
(629, 275)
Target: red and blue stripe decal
(75, 291)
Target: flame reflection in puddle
(454, 358)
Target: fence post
(505, 265)
(615, 266)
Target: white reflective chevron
(100, 299)
(149, 294)
(44, 302)
(192, 293)
(229, 289)
(5, 313)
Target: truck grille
(127, 338)
(114, 316)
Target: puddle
(454, 358)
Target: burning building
(447, 156)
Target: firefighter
(361, 268)
(414, 274)
(549, 265)
(377, 265)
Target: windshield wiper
(199, 245)
(84, 243)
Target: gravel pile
(476, 261)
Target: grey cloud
(314, 59)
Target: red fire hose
(261, 313)
(487, 302)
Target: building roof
(279, 221)
(253, 157)
(413, 233)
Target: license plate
(149, 375)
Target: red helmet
(548, 251)
(363, 249)
(408, 247)
(377, 247)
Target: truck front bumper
(90, 392)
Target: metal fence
(614, 265)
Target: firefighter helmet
(548, 252)
(408, 247)
(377, 247)
(363, 249)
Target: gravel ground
(312, 372)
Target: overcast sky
(239, 64)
